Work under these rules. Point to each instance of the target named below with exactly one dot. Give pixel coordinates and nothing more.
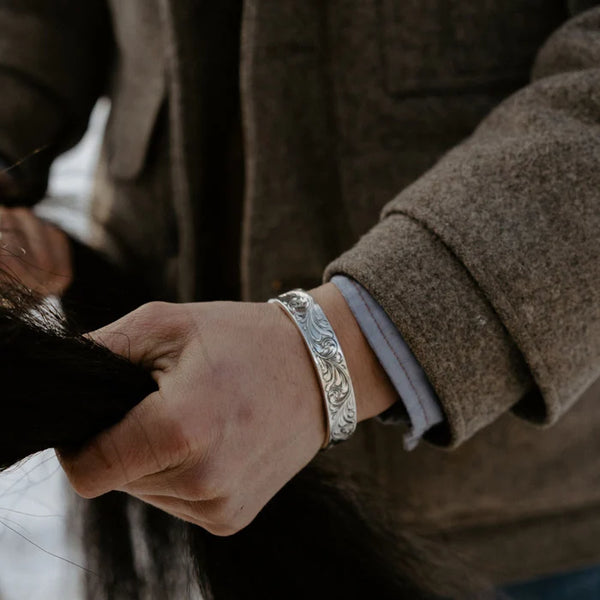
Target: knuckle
(221, 530)
(226, 517)
(197, 487)
(163, 318)
(199, 483)
(224, 513)
(81, 481)
(194, 489)
(151, 312)
(227, 527)
(83, 488)
(86, 468)
(160, 437)
(46, 267)
(176, 447)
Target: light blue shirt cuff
(422, 408)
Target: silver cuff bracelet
(328, 358)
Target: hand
(34, 252)
(238, 411)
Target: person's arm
(238, 412)
(488, 266)
(489, 263)
(54, 58)
(53, 63)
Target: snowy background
(40, 554)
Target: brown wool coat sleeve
(489, 264)
(53, 64)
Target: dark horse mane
(314, 540)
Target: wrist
(285, 338)
(373, 390)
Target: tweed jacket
(444, 154)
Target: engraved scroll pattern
(329, 360)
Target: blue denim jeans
(577, 585)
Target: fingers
(147, 440)
(9, 188)
(151, 438)
(47, 253)
(152, 335)
(60, 251)
(29, 231)
(34, 252)
(200, 513)
(48, 249)
(12, 250)
(192, 512)
(219, 516)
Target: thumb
(144, 335)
